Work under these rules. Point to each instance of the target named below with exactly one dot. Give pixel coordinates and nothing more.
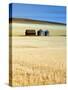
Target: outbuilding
(42, 32)
(30, 32)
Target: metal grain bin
(42, 32)
(46, 33)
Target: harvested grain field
(38, 60)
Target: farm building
(30, 32)
(19, 27)
(42, 32)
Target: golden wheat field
(38, 60)
(19, 29)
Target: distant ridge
(21, 20)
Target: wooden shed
(30, 32)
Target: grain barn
(42, 32)
(30, 32)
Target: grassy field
(38, 60)
(18, 29)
